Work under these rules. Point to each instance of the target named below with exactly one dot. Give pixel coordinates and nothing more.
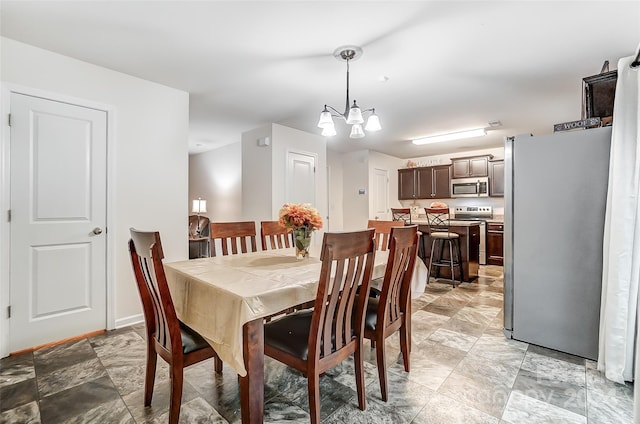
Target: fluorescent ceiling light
(450, 136)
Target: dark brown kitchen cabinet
(496, 178)
(406, 184)
(434, 182)
(475, 166)
(424, 183)
(495, 239)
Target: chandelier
(352, 114)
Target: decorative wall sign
(573, 125)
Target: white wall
(216, 176)
(257, 184)
(498, 153)
(355, 177)
(149, 167)
(264, 170)
(335, 190)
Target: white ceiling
(451, 65)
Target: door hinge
(9, 120)
(8, 311)
(9, 215)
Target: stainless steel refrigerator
(555, 197)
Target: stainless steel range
(481, 214)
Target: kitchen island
(469, 232)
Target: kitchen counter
(456, 223)
(469, 232)
(497, 219)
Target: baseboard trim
(57, 342)
(130, 320)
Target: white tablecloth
(217, 296)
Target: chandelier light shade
(352, 114)
(356, 131)
(373, 123)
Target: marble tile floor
(463, 370)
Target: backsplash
(417, 206)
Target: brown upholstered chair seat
(371, 316)
(290, 333)
(191, 340)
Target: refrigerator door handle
(508, 236)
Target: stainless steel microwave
(470, 187)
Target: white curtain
(621, 248)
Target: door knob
(97, 231)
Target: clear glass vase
(302, 241)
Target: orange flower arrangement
(297, 215)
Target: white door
(301, 178)
(58, 218)
(381, 194)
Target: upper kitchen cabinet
(475, 166)
(406, 184)
(496, 178)
(424, 183)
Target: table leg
(252, 385)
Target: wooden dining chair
(401, 214)
(383, 229)
(313, 341)
(167, 336)
(391, 311)
(232, 234)
(275, 236)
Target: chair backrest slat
(233, 233)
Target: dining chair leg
(453, 274)
(313, 381)
(359, 365)
(176, 393)
(382, 367)
(460, 262)
(405, 344)
(217, 364)
(433, 245)
(150, 377)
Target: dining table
(226, 298)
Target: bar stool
(438, 220)
(402, 214)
